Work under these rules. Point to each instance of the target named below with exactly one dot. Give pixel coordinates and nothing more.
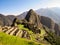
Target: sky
(16, 7)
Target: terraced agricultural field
(13, 40)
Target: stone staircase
(15, 31)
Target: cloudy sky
(18, 6)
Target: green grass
(12, 40)
(42, 32)
(21, 27)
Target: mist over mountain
(53, 13)
(56, 10)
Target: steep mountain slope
(11, 17)
(33, 18)
(22, 16)
(5, 20)
(47, 22)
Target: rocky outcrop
(33, 21)
(33, 18)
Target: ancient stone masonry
(14, 31)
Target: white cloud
(50, 3)
(54, 3)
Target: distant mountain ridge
(53, 13)
(5, 20)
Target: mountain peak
(33, 18)
(31, 13)
(31, 10)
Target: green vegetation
(21, 27)
(42, 32)
(34, 37)
(12, 40)
(53, 38)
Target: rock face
(47, 22)
(33, 21)
(33, 18)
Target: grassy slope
(23, 28)
(12, 40)
(32, 35)
(20, 26)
